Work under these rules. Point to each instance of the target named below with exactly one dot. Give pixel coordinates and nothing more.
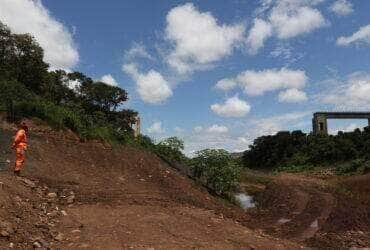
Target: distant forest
(294, 150)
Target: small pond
(246, 201)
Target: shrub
(217, 169)
(171, 149)
(56, 116)
(359, 166)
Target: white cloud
(276, 123)
(213, 129)
(217, 129)
(292, 96)
(233, 107)
(259, 82)
(352, 94)
(198, 142)
(152, 86)
(108, 79)
(198, 38)
(360, 36)
(292, 18)
(285, 51)
(73, 84)
(260, 31)
(226, 84)
(155, 128)
(342, 7)
(25, 16)
(198, 129)
(137, 50)
(284, 19)
(350, 128)
(239, 137)
(179, 130)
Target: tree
(28, 89)
(22, 59)
(122, 119)
(102, 95)
(174, 143)
(56, 89)
(171, 149)
(217, 169)
(11, 92)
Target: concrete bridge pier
(320, 125)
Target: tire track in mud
(328, 204)
(309, 211)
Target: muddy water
(246, 201)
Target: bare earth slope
(86, 195)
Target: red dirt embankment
(86, 195)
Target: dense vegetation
(29, 88)
(292, 151)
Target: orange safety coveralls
(20, 146)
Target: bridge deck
(344, 115)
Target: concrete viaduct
(320, 119)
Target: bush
(171, 149)
(358, 166)
(58, 117)
(217, 169)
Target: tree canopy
(28, 87)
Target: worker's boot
(17, 172)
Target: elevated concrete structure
(136, 126)
(320, 119)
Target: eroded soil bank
(315, 210)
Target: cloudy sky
(214, 73)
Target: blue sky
(215, 73)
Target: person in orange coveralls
(20, 146)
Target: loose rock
(37, 244)
(59, 237)
(71, 199)
(29, 183)
(52, 195)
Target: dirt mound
(89, 195)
